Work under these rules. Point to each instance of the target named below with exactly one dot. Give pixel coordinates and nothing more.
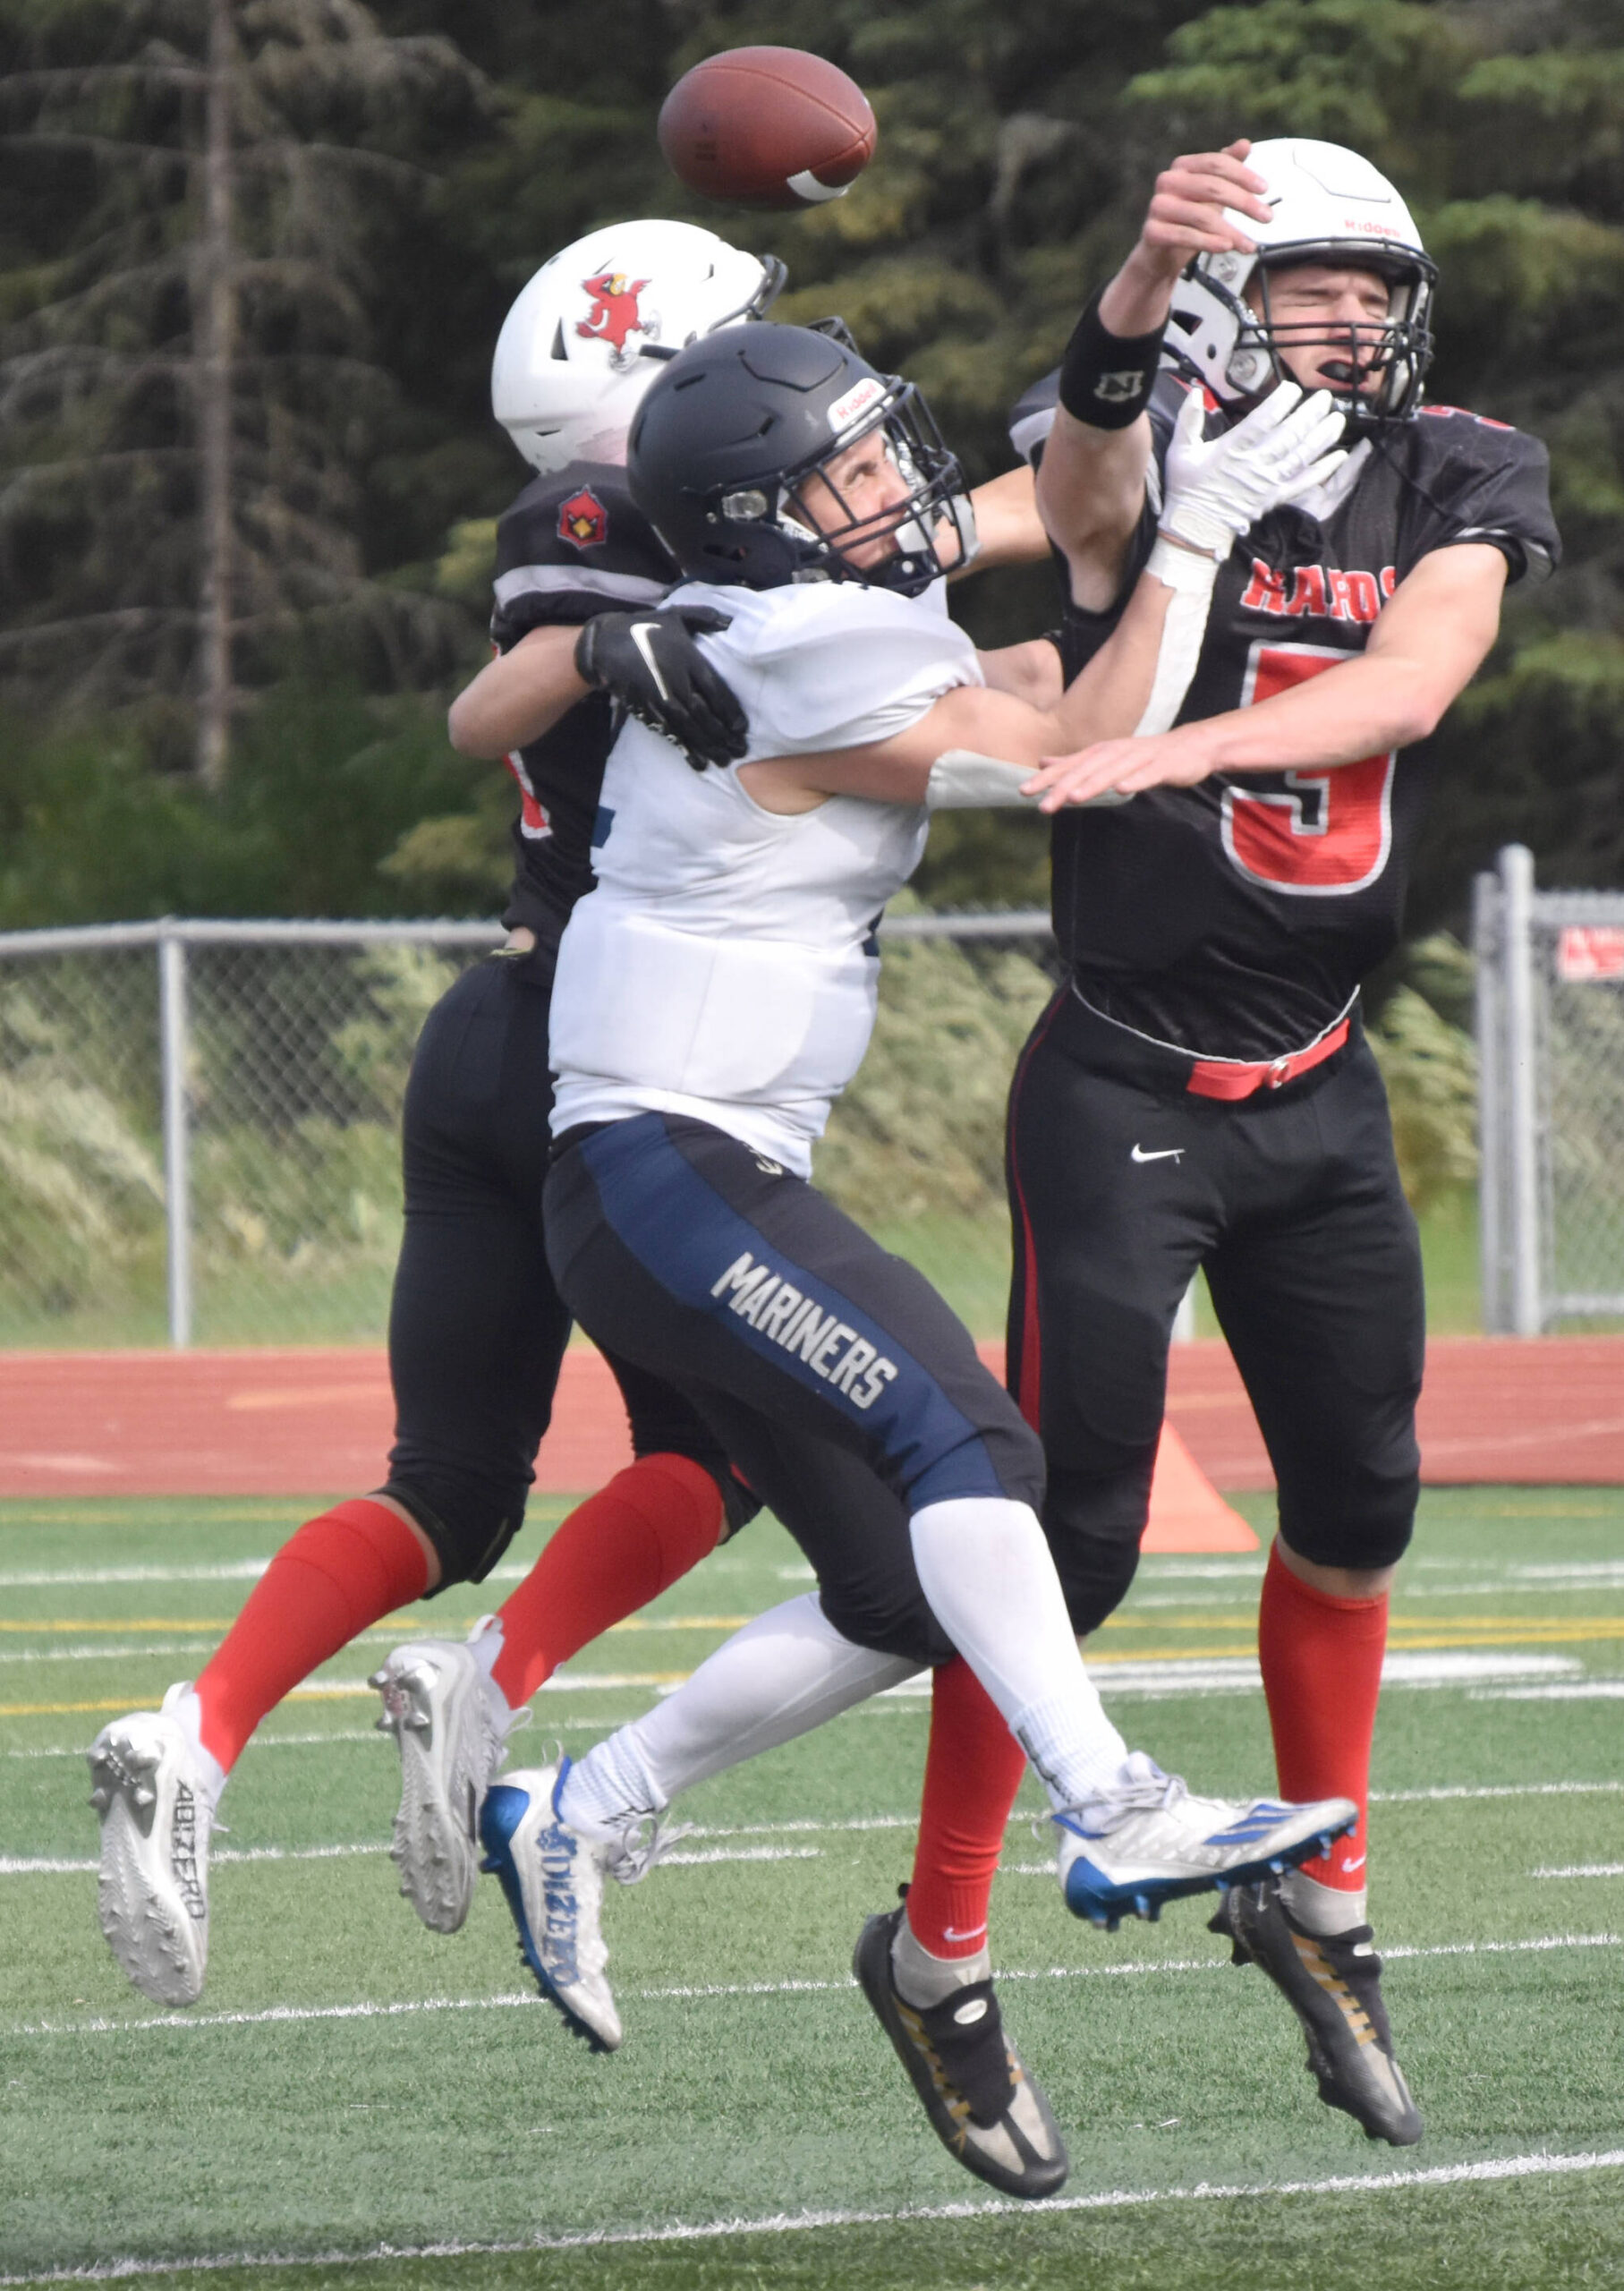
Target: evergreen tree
(188, 388)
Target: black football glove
(649, 662)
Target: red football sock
(1322, 1663)
(329, 1582)
(973, 1770)
(614, 1553)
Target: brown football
(767, 127)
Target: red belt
(1223, 1077)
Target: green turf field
(373, 2105)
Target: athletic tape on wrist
(1106, 378)
(1191, 578)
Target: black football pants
(477, 1328)
(1121, 1185)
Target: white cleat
(155, 1816)
(1148, 1840)
(553, 1875)
(438, 1706)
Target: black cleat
(1333, 1984)
(983, 2106)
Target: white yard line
(1539, 2165)
(1495, 1790)
(105, 1654)
(194, 2024)
(1467, 1792)
(228, 1571)
(603, 1721)
(1569, 1690)
(45, 1866)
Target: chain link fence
(1551, 1048)
(200, 1121)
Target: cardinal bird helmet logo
(615, 314)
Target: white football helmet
(1329, 206)
(589, 332)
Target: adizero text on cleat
(1333, 1984)
(983, 2106)
(439, 1708)
(553, 1878)
(152, 1895)
(1149, 1841)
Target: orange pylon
(1187, 1513)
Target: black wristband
(1106, 378)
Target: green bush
(82, 1193)
(1430, 1067)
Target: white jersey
(725, 964)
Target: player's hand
(1218, 488)
(1111, 770)
(650, 663)
(1186, 216)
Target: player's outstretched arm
(518, 696)
(1090, 485)
(978, 746)
(648, 661)
(1428, 643)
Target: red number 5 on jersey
(1321, 834)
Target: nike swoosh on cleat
(1163, 1153)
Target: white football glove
(1218, 488)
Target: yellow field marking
(212, 1623)
(607, 1685)
(57, 1709)
(1495, 1635)
(1171, 1654)
(1539, 1634)
(147, 1623)
(1551, 1510)
(55, 1515)
(683, 1622)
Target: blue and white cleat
(1148, 1840)
(553, 1878)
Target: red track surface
(303, 1422)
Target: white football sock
(1322, 1908)
(485, 1645)
(922, 1979)
(985, 1568)
(780, 1676)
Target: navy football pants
(844, 1388)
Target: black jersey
(1236, 918)
(572, 545)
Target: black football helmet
(735, 425)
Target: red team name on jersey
(1318, 592)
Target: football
(767, 127)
